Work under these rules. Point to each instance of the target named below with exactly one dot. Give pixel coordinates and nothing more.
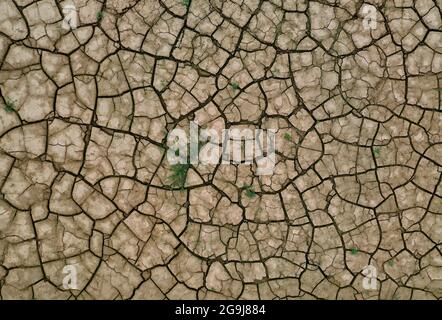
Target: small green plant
(100, 15)
(234, 85)
(201, 144)
(177, 179)
(390, 262)
(250, 193)
(354, 250)
(10, 105)
(377, 152)
(287, 136)
(186, 3)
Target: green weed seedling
(177, 178)
(287, 136)
(234, 85)
(10, 105)
(250, 193)
(377, 152)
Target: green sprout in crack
(234, 85)
(377, 152)
(10, 105)
(287, 136)
(279, 29)
(390, 262)
(177, 179)
(354, 250)
(250, 193)
(100, 15)
(186, 3)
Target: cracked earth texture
(84, 176)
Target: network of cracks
(87, 193)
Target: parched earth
(85, 184)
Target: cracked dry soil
(84, 176)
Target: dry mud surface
(85, 182)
